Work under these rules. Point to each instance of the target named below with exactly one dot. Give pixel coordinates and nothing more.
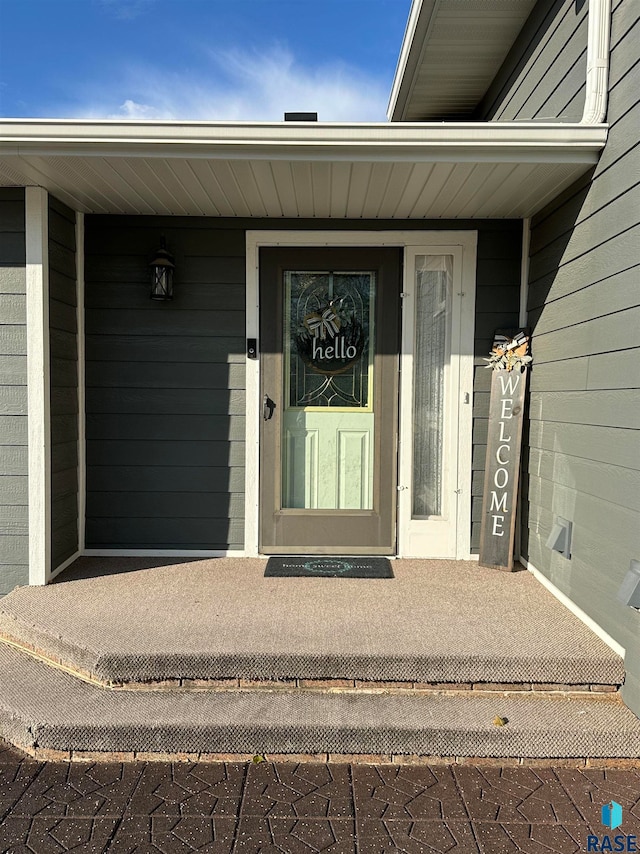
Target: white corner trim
(82, 446)
(598, 41)
(578, 612)
(38, 379)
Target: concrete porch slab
(140, 619)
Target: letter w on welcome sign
(509, 361)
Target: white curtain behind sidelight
(430, 363)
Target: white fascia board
(102, 131)
(416, 141)
(419, 24)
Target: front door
(329, 342)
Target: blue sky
(199, 59)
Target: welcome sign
(509, 360)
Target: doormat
(330, 567)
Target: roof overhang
(451, 51)
(372, 171)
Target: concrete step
(216, 620)
(213, 675)
(43, 708)
(185, 670)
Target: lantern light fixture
(162, 268)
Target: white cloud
(126, 10)
(132, 110)
(238, 85)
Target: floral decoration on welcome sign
(509, 353)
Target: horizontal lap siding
(543, 77)
(583, 456)
(14, 494)
(165, 386)
(165, 382)
(63, 349)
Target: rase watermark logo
(611, 817)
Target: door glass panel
(430, 363)
(328, 419)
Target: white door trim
(255, 240)
(469, 242)
(448, 536)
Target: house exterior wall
(164, 386)
(165, 397)
(14, 522)
(63, 346)
(583, 456)
(544, 75)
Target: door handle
(268, 407)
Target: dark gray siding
(63, 348)
(544, 74)
(165, 386)
(165, 381)
(14, 541)
(584, 445)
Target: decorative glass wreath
(322, 327)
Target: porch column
(38, 377)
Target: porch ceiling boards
(369, 171)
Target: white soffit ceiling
(451, 52)
(387, 171)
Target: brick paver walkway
(50, 808)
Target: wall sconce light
(560, 537)
(162, 268)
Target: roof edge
(419, 25)
(90, 135)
